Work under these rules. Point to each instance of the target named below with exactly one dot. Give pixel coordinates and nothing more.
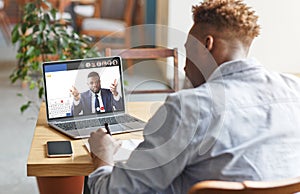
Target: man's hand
(113, 88)
(103, 147)
(75, 93)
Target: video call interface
(61, 78)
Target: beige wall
(278, 46)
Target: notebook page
(124, 151)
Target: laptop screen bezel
(79, 64)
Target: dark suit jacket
(85, 104)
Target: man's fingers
(101, 130)
(114, 84)
(73, 90)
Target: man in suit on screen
(96, 99)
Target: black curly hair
(232, 15)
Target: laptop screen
(83, 87)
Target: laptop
(77, 118)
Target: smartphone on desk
(59, 149)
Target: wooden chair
(83, 9)
(4, 21)
(149, 53)
(286, 186)
(111, 18)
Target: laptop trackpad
(118, 128)
(135, 125)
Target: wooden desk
(80, 164)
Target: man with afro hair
(237, 121)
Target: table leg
(60, 185)
(86, 189)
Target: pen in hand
(107, 128)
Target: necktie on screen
(97, 105)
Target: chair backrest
(149, 53)
(115, 9)
(3, 4)
(286, 186)
(5, 22)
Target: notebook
(71, 104)
(124, 151)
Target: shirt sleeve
(76, 102)
(97, 178)
(117, 98)
(157, 161)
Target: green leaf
(39, 39)
(53, 13)
(16, 27)
(37, 52)
(41, 92)
(24, 28)
(125, 83)
(25, 106)
(14, 78)
(29, 8)
(30, 50)
(19, 55)
(36, 28)
(35, 65)
(32, 85)
(15, 36)
(47, 18)
(29, 38)
(42, 25)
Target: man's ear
(209, 42)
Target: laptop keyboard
(96, 122)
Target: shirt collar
(234, 66)
(93, 94)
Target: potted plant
(41, 36)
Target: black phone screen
(59, 148)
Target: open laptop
(78, 119)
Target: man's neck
(229, 51)
(99, 92)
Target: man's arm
(77, 105)
(117, 99)
(156, 162)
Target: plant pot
(61, 185)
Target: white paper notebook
(124, 151)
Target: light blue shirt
(242, 124)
